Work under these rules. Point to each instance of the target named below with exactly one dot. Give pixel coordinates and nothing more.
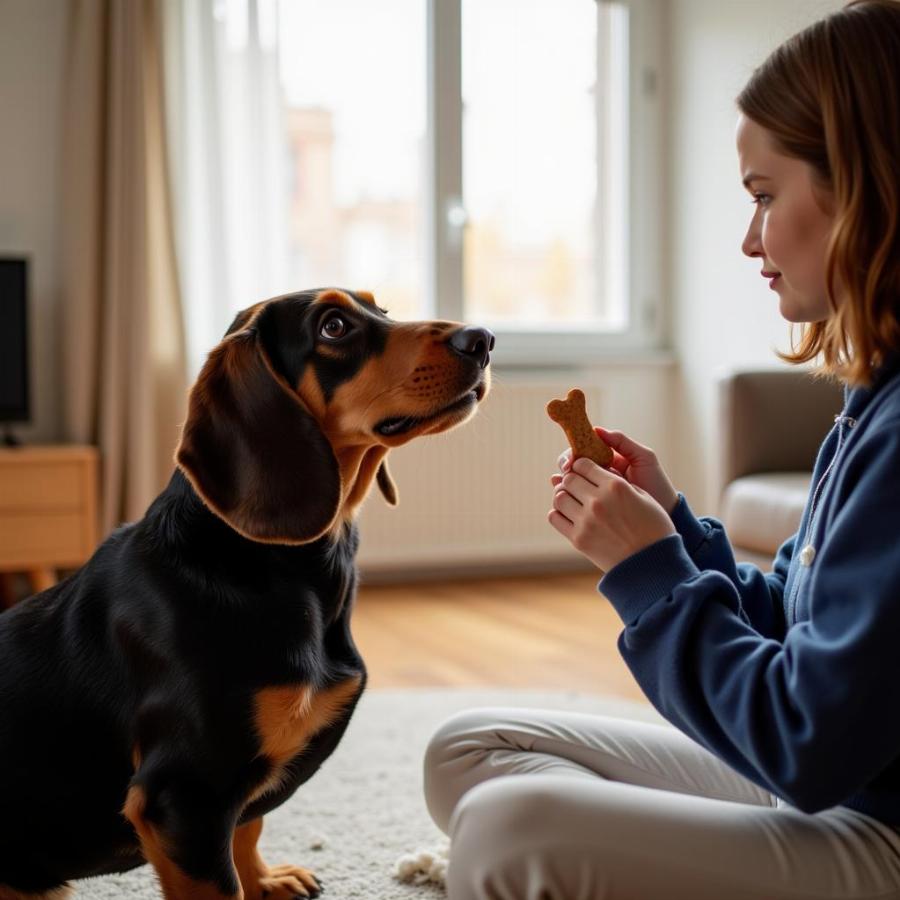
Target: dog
(157, 703)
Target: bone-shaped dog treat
(572, 416)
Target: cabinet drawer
(44, 538)
(41, 486)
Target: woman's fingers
(566, 504)
(620, 463)
(560, 523)
(578, 486)
(591, 472)
(630, 449)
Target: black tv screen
(13, 340)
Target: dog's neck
(183, 531)
(358, 466)
(179, 517)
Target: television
(14, 393)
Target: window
(531, 100)
(546, 210)
(492, 161)
(353, 77)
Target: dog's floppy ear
(386, 484)
(253, 452)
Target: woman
(782, 776)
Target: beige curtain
(123, 342)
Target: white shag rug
(360, 823)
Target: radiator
(477, 497)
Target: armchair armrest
(771, 425)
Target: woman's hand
(634, 462)
(604, 516)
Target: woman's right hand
(637, 464)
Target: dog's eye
(334, 327)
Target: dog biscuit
(572, 416)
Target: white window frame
(644, 205)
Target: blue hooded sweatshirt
(788, 676)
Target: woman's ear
(253, 452)
(386, 484)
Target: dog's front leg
(258, 880)
(185, 839)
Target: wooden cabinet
(48, 510)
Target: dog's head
(294, 412)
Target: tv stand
(48, 512)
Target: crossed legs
(551, 805)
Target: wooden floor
(553, 632)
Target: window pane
(356, 119)
(530, 126)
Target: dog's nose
(475, 343)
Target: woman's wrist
(671, 501)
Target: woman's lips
(772, 276)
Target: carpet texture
(363, 812)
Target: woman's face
(789, 230)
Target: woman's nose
(752, 245)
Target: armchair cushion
(761, 511)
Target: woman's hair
(830, 96)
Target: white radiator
(478, 496)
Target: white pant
(631, 811)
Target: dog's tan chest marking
(288, 717)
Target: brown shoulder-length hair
(830, 96)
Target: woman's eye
(334, 327)
(760, 199)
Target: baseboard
(470, 571)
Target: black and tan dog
(183, 683)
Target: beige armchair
(771, 425)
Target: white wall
(32, 36)
(724, 314)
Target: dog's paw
(289, 882)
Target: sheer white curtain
(228, 153)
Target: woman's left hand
(603, 516)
